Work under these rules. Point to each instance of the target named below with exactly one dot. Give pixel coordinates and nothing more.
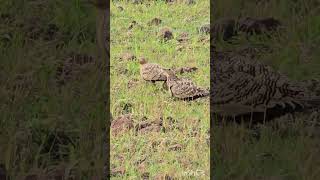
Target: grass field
(40, 115)
(186, 124)
(285, 148)
(49, 120)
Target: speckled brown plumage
(152, 71)
(183, 88)
(242, 85)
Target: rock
(155, 22)
(132, 24)
(146, 126)
(120, 8)
(121, 124)
(165, 34)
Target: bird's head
(142, 60)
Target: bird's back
(184, 88)
(152, 72)
(256, 86)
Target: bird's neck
(172, 78)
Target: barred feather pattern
(152, 72)
(183, 88)
(247, 82)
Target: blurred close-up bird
(244, 86)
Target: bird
(183, 88)
(242, 86)
(151, 71)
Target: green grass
(285, 151)
(40, 108)
(152, 101)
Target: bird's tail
(313, 101)
(204, 92)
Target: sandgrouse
(183, 88)
(244, 86)
(151, 71)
